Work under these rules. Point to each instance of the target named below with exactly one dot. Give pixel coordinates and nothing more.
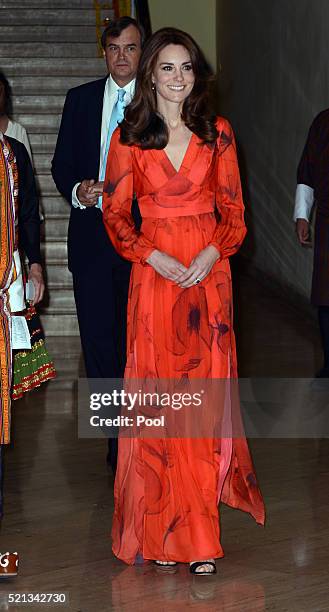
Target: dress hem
(217, 555)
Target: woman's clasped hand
(170, 268)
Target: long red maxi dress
(167, 490)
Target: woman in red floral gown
(181, 163)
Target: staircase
(47, 47)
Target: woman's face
(173, 74)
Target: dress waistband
(155, 210)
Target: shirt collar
(113, 87)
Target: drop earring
(153, 86)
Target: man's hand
(303, 232)
(98, 187)
(87, 194)
(165, 265)
(36, 276)
(199, 268)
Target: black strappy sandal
(194, 566)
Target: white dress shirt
(109, 100)
(304, 201)
(17, 131)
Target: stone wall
(274, 79)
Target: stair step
(38, 124)
(60, 389)
(49, 16)
(39, 49)
(62, 215)
(39, 104)
(67, 374)
(54, 228)
(68, 349)
(41, 85)
(46, 185)
(48, 34)
(92, 67)
(58, 275)
(60, 325)
(41, 4)
(42, 142)
(54, 205)
(42, 162)
(54, 252)
(61, 301)
(64, 309)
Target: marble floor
(58, 501)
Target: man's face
(122, 55)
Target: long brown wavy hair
(143, 125)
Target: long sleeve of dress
(117, 201)
(231, 229)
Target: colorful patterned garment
(167, 490)
(32, 367)
(7, 241)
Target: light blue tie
(116, 117)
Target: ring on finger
(197, 280)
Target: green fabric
(31, 368)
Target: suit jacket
(28, 205)
(313, 171)
(76, 158)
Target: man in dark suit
(313, 188)
(100, 276)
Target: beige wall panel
(196, 17)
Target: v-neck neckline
(184, 156)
